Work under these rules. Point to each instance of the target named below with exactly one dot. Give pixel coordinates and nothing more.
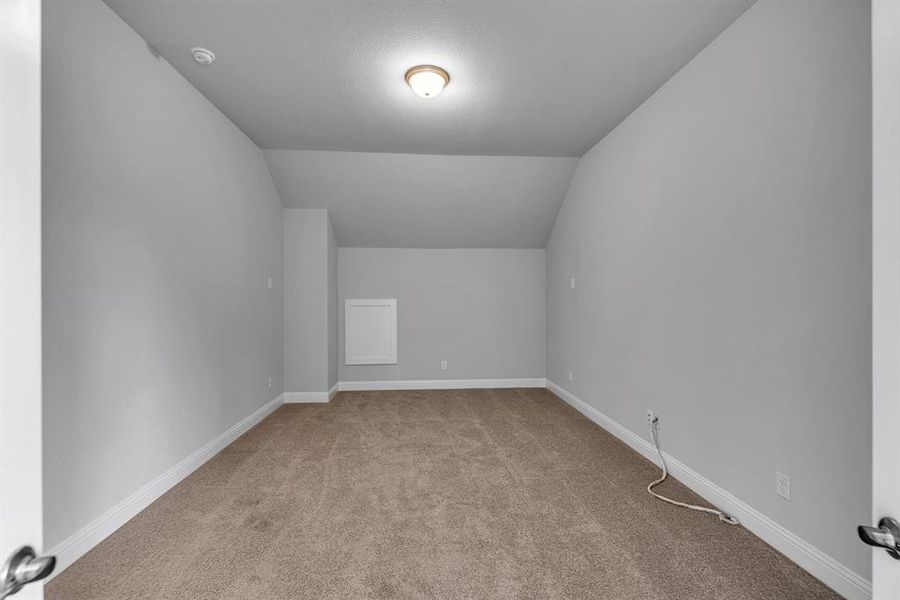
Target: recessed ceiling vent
(203, 56)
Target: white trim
(440, 384)
(835, 575)
(306, 397)
(21, 483)
(76, 545)
(310, 397)
(885, 281)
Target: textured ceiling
(426, 201)
(528, 78)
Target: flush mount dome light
(427, 81)
(203, 56)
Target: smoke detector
(203, 56)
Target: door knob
(23, 567)
(886, 535)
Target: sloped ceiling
(425, 200)
(529, 79)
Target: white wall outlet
(270, 383)
(651, 416)
(443, 365)
(572, 283)
(782, 485)
(270, 282)
(571, 377)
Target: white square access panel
(370, 331)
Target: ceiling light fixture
(203, 56)
(427, 81)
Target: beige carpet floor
(436, 494)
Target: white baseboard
(307, 397)
(310, 397)
(76, 545)
(440, 384)
(832, 573)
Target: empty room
(308, 299)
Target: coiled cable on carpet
(654, 420)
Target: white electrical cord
(665, 473)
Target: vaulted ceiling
(528, 79)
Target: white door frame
(21, 511)
(885, 283)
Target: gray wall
(332, 306)
(306, 291)
(720, 240)
(161, 226)
(480, 310)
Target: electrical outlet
(572, 283)
(783, 485)
(443, 365)
(270, 383)
(270, 283)
(571, 377)
(651, 416)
